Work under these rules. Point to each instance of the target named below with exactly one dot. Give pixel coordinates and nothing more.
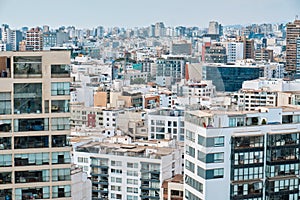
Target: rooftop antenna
(296, 17)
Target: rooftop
(129, 150)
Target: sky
(139, 13)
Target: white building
(166, 124)
(234, 51)
(242, 155)
(265, 92)
(121, 170)
(199, 89)
(274, 70)
(81, 185)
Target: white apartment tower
(242, 155)
(234, 51)
(122, 170)
(166, 124)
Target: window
(27, 98)
(241, 174)
(132, 165)
(61, 191)
(190, 135)
(60, 88)
(28, 66)
(61, 123)
(31, 159)
(190, 166)
(131, 197)
(190, 151)
(59, 141)
(118, 180)
(59, 71)
(132, 190)
(5, 160)
(32, 176)
(211, 141)
(61, 174)
(211, 157)
(5, 143)
(5, 103)
(116, 163)
(61, 157)
(115, 188)
(132, 173)
(5, 178)
(215, 173)
(219, 141)
(31, 142)
(39, 192)
(194, 184)
(191, 196)
(60, 106)
(117, 171)
(132, 181)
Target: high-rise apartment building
(15, 39)
(34, 39)
(248, 49)
(34, 152)
(242, 155)
(159, 29)
(216, 54)
(170, 70)
(292, 33)
(234, 51)
(298, 57)
(213, 27)
(181, 48)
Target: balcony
(31, 176)
(60, 71)
(31, 142)
(5, 143)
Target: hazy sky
(139, 13)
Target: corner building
(34, 152)
(251, 155)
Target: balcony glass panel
(59, 141)
(60, 71)
(31, 159)
(38, 124)
(32, 176)
(60, 88)
(61, 157)
(27, 98)
(31, 142)
(5, 125)
(5, 103)
(28, 67)
(60, 106)
(5, 143)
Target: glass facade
(247, 167)
(230, 79)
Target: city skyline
(132, 13)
